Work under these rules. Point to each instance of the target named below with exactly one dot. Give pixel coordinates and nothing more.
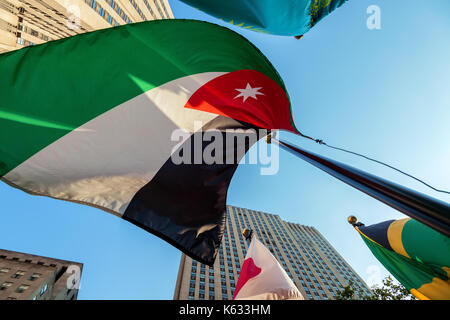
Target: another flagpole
(431, 212)
(247, 233)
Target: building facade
(316, 268)
(30, 22)
(30, 277)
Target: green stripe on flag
(409, 273)
(426, 245)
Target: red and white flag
(263, 278)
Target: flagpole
(431, 212)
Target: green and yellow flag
(416, 255)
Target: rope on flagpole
(321, 142)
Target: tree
(348, 293)
(388, 291)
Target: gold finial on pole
(247, 233)
(352, 220)
(269, 136)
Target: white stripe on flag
(272, 282)
(108, 159)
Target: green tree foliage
(388, 291)
(348, 293)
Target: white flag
(263, 278)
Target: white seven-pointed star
(248, 92)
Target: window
(34, 276)
(5, 285)
(44, 288)
(22, 288)
(18, 274)
(4, 270)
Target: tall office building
(30, 22)
(30, 277)
(308, 258)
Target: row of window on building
(114, 5)
(343, 269)
(22, 288)
(97, 8)
(105, 15)
(5, 285)
(18, 274)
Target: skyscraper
(30, 22)
(31, 277)
(308, 258)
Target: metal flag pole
(431, 212)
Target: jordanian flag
(97, 119)
(280, 17)
(416, 255)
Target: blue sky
(384, 93)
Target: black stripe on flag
(185, 204)
(378, 233)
